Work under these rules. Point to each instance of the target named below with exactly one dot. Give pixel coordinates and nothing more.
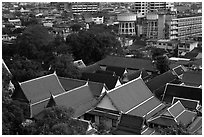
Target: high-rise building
(80, 7)
(183, 27)
(142, 8)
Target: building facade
(184, 27)
(127, 23)
(80, 7)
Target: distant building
(127, 23)
(186, 26)
(80, 7)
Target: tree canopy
(92, 46)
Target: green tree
(91, 47)
(56, 121)
(32, 42)
(24, 69)
(13, 112)
(162, 64)
(64, 67)
(173, 130)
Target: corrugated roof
(192, 78)
(181, 91)
(80, 99)
(41, 88)
(129, 63)
(110, 81)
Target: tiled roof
(158, 83)
(119, 71)
(181, 91)
(163, 121)
(179, 70)
(129, 94)
(186, 117)
(133, 75)
(129, 63)
(189, 104)
(195, 125)
(69, 84)
(80, 99)
(129, 125)
(41, 88)
(176, 109)
(192, 78)
(91, 68)
(106, 72)
(135, 98)
(148, 109)
(38, 107)
(110, 81)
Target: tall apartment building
(80, 7)
(142, 8)
(183, 27)
(155, 25)
(169, 26)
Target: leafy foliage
(24, 69)
(91, 46)
(162, 64)
(56, 121)
(173, 130)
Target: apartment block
(80, 7)
(183, 27)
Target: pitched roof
(163, 121)
(106, 72)
(149, 108)
(80, 99)
(179, 70)
(192, 78)
(158, 83)
(181, 91)
(69, 84)
(176, 109)
(187, 103)
(186, 117)
(130, 63)
(38, 107)
(119, 71)
(91, 68)
(133, 75)
(40, 88)
(130, 96)
(129, 124)
(195, 125)
(110, 81)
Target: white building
(127, 23)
